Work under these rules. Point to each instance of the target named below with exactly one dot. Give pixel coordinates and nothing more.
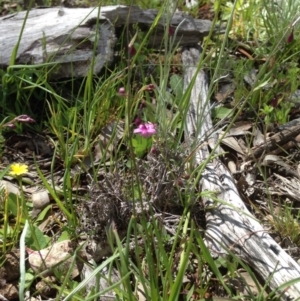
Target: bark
(65, 37)
(230, 226)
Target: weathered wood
(283, 136)
(63, 37)
(67, 35)
(230, 226)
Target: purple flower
(24, 119)
(146, 129)
(11, 125)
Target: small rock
(58, 257)
(44, 287)
(9, 187)
(40, 200)
(9, 291)
(110, 276)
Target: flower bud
(137, 121)
(154, 150)
(150, 87)
(122, 91)
(274, 102)
(24, 119)
(290, 38)
(131, 50)
(171, 31)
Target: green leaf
(221, 262)
(9, 232)
(29, 278)
(41, 217)
(13, 203)
(64, 236)
(141, 145)
(36, 239)
(262, 85)
(134, 142)
(222, 112)
(4, 171)
(176, 84)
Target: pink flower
(122, 91)
(146, 129)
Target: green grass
(163, 264)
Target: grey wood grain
(64, 37)
(230, 226)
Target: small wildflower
(11, 125)
(122, 91)
(24, 119)
(290, 38)
(18, 169)
(146, 129)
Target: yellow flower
(18, 169)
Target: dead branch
(279, 139)
(230, 226)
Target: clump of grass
(286, 224)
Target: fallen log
(230, 226)
(64, 37)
